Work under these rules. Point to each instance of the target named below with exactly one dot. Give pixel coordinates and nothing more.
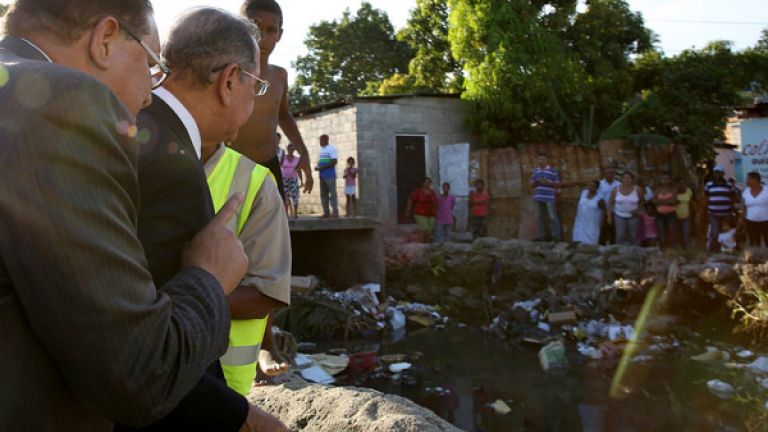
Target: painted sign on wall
(754, 146)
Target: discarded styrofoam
(399, 367)
(317, 374)
(544, 327)
(501, 407)
(721, 389)
(744, 354)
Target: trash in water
(544, 326)
(721, 389)
(317, 374)
(363, 361)
(501, 407)
(616, 332)
(562, 317)
(552, 356)
(745, 354)
(399, 367)
(589, 351)
(396, 318)
(333, 364)
(712, 354)
(392, 358)
(527, 305)
(760, 365)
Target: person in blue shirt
(545, 181)
(326, 165)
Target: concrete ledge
(306, 224)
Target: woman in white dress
(589, 215)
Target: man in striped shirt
(545, 181)
(720, 199)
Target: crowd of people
(618, 209)
(435, 216)
(661, 213)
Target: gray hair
(208, 39)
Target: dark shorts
(274, 167)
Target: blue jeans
(547, 210)
(328, 195)
(626, 230)
(442, 233)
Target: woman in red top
(478, 209)
(422, 204)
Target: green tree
(3, 9)
(538, 70)
(346, 55)
(433, 68)
(694, 91)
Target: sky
(680, 24)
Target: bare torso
(258, 138)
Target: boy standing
(258, 138)
(478, 209)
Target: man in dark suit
(87, 338)
(209, 94)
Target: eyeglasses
(263, 84)
(159, 72)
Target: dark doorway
(411, 170)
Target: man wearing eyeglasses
(87, 337)
(209, 78)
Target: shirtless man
(258, 138)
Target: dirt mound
(312, 407)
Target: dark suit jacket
(85, 335)
(175, 205)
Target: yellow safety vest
(235, 173)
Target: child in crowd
(445, 219)
(292, 177)
(350, 187)
(648, 222)
(727, 237)
(478, 209)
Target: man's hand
(259, 420)
(217, 250)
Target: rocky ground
(314, 407)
